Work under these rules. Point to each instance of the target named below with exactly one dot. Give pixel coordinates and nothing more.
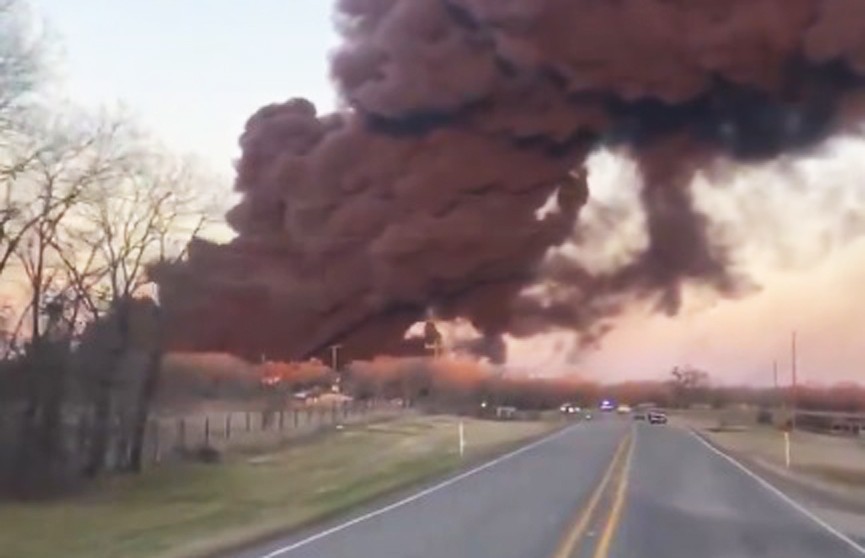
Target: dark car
(657, 417)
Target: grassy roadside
(193, 510)
(819, 462)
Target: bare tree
(67, 171)
(178, 216)
(86, 205)
(73, 159)
(147, 215)
(689, 384)
(21, 60)
(21, 143)
(7, 328)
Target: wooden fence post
(83, 432)
(154, 435)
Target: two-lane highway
(606, 489)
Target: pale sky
(194, 70)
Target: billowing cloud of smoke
(467, 117)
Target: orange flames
(293, 373)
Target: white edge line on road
(777, 492)
(414, 497)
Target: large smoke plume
(468, 116)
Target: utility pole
(435, 347)
(775, 374)
(777, 398)
(795, 380)
(334, 357)
(432, 338)
(334, 364)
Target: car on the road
(569, 409)
(624, 409)
(656, 416)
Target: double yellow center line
(618, 468)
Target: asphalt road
(686, 500)
(606, 489)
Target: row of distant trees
(457, 384)
(453, 384)
(87, 205)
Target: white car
(624, 409)
(657, 416)
(569, 409)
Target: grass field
(193, 510)
(838, 460)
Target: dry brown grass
(834, 459)
(841, 475)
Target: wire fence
(169, 438)
(179, 436)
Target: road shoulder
(844, 517)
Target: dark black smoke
(467, 117)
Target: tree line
(88, 203)
(455, 384)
